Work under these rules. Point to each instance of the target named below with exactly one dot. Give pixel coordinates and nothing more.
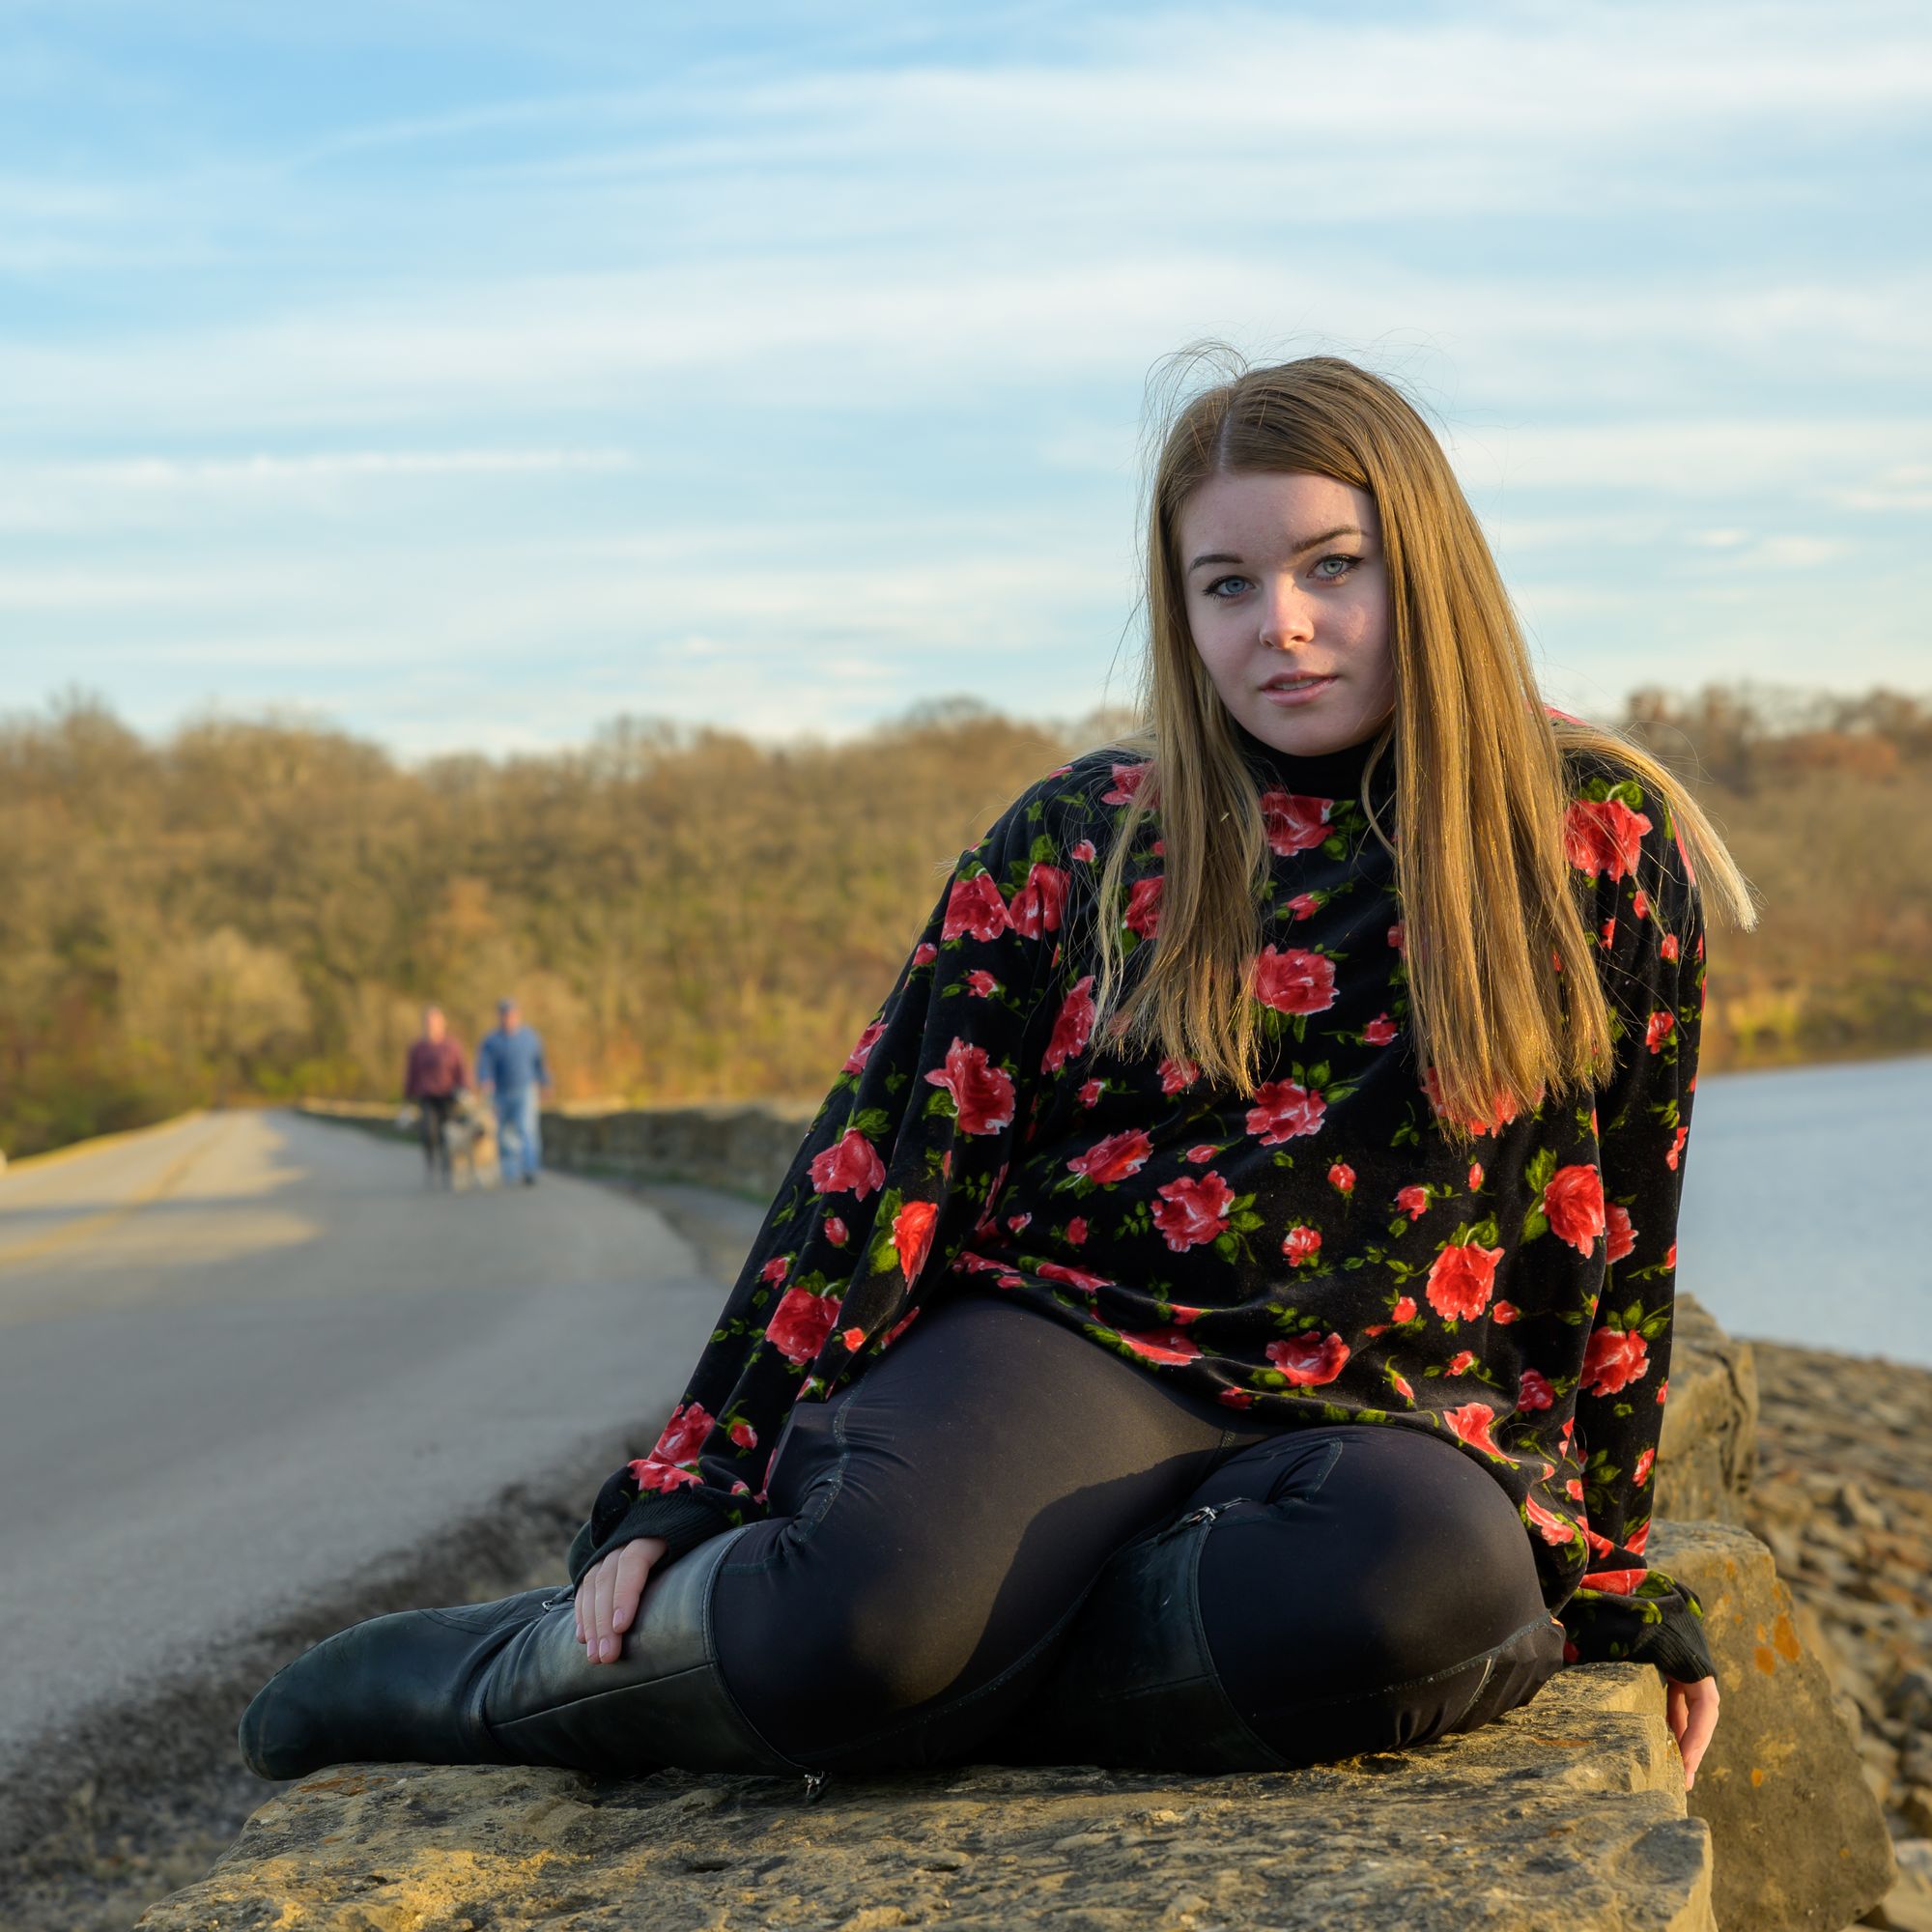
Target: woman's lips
(1296, 693)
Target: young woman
(1220, 1316)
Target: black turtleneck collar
(1324, 774)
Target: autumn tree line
(257, 910)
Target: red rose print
(1206, 1150)
(1039, 904)
(1111, 1160)
(683, 1434)
(1143, 914)
(1304, 906)
(1236, 1398)
(1461, 1279)
(1303, 1244)
(900, 1326)
(851, 1166)
(975, 905)
(912, 1235)
(1503, 1312)
(1071, 1026)
(1603, 835)
(1127, 780)
(1552, 1527)
(1294, 980)
(982, 1094)
(1282, 1110)
(1294, 823)
(1309, 1361)
(854, 1339)
(1641, 1473)
(1396, 936)
(1192, 1210)
(1619, 1582)
(1073, 1277)
(1177, 1075)
(1405, 1309)
(663, 1477)
(1161, 1345)
(1076, 1230)
(1658, 1030)
(1401, 1383)
(980, 983)
(1090, 1092)
(1475, 1176)
(1342, 1177)
(924, 952)
(863, 1046)
(1640, 904)
(1622, 1235)
(1085, 852)
(1676, 1149)
(775, 1269)
(837, 1231)
(1459, 1363)
(744, 1434)
(1574, 1202)
(1667, 945)
(1502, 1112)
(1613, 1361)
(1534, 1390)
(1472, 1423)
(801, 1322)
(1380, 1031)
(1413, 1202)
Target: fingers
(1692, 1711)
(603, 1642)
(634, 1568)
(1703, 1699)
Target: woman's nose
(1288, 616)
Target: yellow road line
(160, 1188)
(31, 1162)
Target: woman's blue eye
(1220, 583)
(1342, 557)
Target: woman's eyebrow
(1300, 549)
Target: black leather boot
(507, 1683)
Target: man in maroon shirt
(436, 1074)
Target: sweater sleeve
(1650, 932)
(902, 1159)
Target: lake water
(1802, 1195)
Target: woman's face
(1285, 586)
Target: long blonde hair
(1481, 787)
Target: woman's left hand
(1692, 1711)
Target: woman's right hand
(608, 1597)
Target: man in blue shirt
(510, 1068)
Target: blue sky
(468, 377)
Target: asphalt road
(246, 1355)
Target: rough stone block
(1567, 1815)
(1708, 1452)
(1800, 1841)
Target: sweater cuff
(680, 1518)
(1662, 1625)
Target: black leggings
(933, 1528)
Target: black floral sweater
(1319, 1252)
